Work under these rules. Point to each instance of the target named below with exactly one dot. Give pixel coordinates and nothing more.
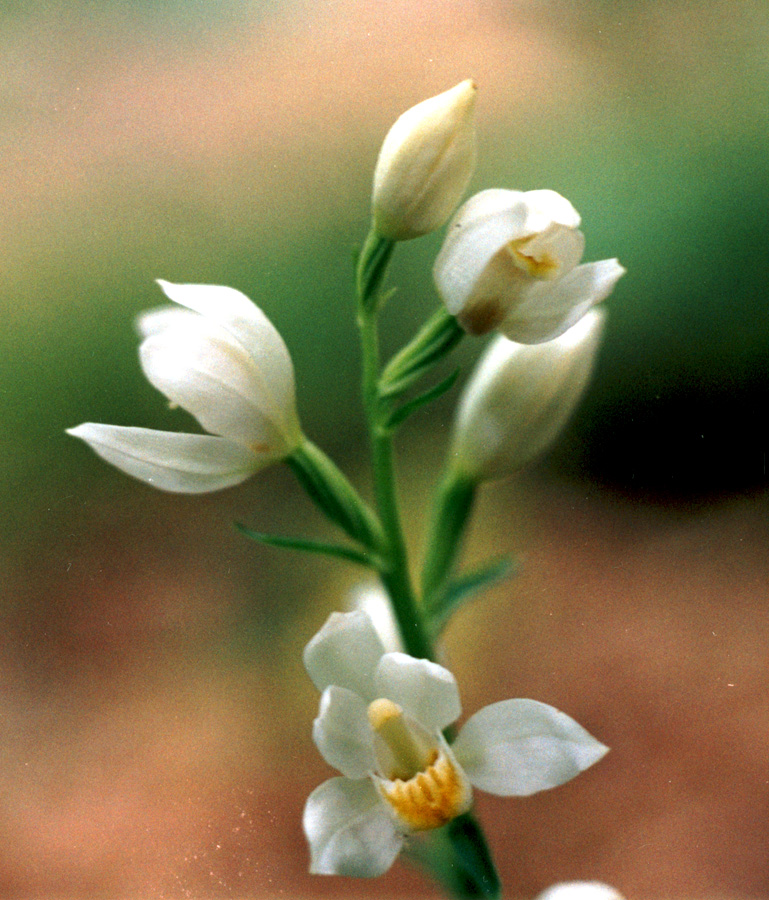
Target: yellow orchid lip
(431, 798)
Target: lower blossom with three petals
(381, 722)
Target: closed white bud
(520, 397)
(510, 261)
(425, 164)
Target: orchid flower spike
(520, 397)
(510, 261)
(425, 164)
(380, 724)
(217, 356)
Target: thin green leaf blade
(463, 588)
(398, 416)
(307, 545)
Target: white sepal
(520, 397)
(519, 747)
(425, 690)
(342, 732)
(345, 652)
(349, 830)
(171, 461)
(580, 890)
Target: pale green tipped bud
(425, 164)
(520, 397)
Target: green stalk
(459, 857)
(451, 513)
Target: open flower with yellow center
(510, 261)
(380, 724)
(219, 357)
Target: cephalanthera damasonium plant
(511, 262)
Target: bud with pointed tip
(520, 397)
(425, 164)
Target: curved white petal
(182, 463)
(545, 206)
(580, 890)
(425, 690)
(521, 396)
(349, 830)
(479, 229)
(247, 324)
(342, 733)
(547, 309)
(519, 747)
(153, 321)
(345, 652)
(371, 598)
(201, 367)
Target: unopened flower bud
(425, 164)
(520, 397)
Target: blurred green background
(145, 647)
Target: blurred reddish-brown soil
(140, 759)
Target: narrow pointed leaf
(433, 341)
(307, 545)
(463, 588)
(398, 416)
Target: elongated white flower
(510, 261)
(380, 724)
(425, 164)
(216, 355)
(519, 398)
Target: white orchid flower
(425, 164)
(217, 356)
(380, 724)
(510, 261)
(520, 397)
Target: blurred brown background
(155, 714)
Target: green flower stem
(434, 340)
(331, 491)
(451, 513)
(395, 571)
(457, 855)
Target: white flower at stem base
(217, 356)
(510, 261)
(425, 164)
(519, 398)
(380, 724)
(580, 890)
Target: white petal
(345, 652)
(247, 324)
(548, 309)
(425, 690)
(518, 747)
(545, 206)
(342, 733)
(349, 830)
(182, 463)
(153, 321)
(479, 229)
(580, 890)
(370, 598)
(201, 367)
